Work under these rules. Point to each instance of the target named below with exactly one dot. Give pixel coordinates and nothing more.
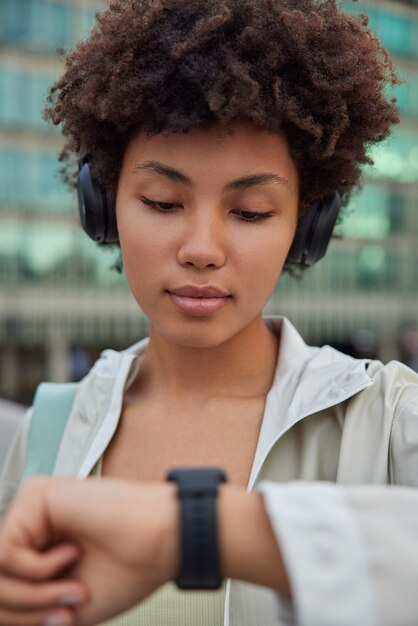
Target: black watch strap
(197, 490)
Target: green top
(170, 606)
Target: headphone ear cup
(314, 231)
(97, 211)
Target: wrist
(167, 538)
(247, 545)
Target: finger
(59, 617)
(33, 565)
(22, 595)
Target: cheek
(262, 265)
(141, 263)
(144, 249)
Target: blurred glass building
(59, 302)
(363, 297)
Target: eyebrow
(241, 183)
(164, 170)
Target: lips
(195, 291)
(199, 301)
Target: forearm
(247, 544)
(140, 548)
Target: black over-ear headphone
(313, 234)
(97, 210)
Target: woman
(208, 134)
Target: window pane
(36, 24)
(30, 180)
(50, 24)
(22, 99)
(397, 32)
(407, 93)
(396, 158)
(54, 253)
(375, 213)
(14, 21)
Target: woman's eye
(253, 216)
(164, 207)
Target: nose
(203, 242)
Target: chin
(202, 343)
(196, 334)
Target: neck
(242, 367)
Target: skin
(139, 549)
(196, 377)
(209, 236)
(204, 240)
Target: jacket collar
(307, 380)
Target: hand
(127, 534)
(29, 592)
(120, 541)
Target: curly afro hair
(305, 67)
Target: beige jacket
(336, 463)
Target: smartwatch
(197, 491)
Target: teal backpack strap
(51, 407)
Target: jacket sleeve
(351, 551)
(12, 472)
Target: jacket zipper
(301, 417)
